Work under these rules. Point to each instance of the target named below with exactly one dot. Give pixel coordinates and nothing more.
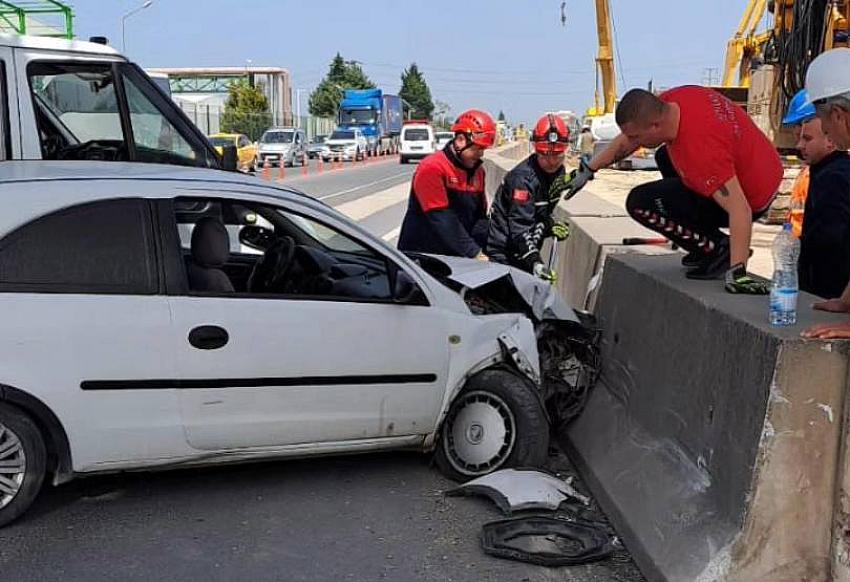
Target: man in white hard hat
(828, 84)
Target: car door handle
(208, 337)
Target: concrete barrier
(712, 440)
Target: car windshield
(419, 134)
(277, 137)
(342, 135)
(220, 141)
(320, 139)
(358, 116)
(445, 135)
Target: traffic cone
(282, 172)
(267, 170)
(304, 166)
(320, 167)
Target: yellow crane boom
(741, 49)
(605, 58)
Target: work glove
(547, 275)
(568, 185)
(738, 281)
(559, 230)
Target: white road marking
(369, 205)
(362, 186)
(392, 234)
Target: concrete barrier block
(712, 440)
(591, 240)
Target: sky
(509, 55)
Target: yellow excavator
(770, 65)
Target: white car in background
(284, 146)
(442, 138)
(416, 142)
(346, 144)
(138, 333)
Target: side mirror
(406, 291)
(229, 160)
(256, 237)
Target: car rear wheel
(495, 422)
(402, 160)
(23, 460)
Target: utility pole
(711, 76)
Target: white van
(73, 100)
(417, 141)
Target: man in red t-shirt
(718, 170)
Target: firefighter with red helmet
(447, 208)
(521, 215)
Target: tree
(501, 115)
(415, 91)
(246, 110)
(342, 74)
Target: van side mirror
(229, 158)
(406, 291)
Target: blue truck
(378, 116)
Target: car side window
(257, 250)
(99, 247)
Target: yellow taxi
(246, 150)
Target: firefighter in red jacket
(447, 208)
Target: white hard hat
(829, 75)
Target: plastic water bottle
(785, 289)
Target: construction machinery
(770, 65)
(604, 63)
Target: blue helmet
(799, 110)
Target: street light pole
(298, 105)
(124, 21)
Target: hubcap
(480, 433)
(12, 465)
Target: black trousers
(678, 213)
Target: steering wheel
(93, 150)
(270, 271)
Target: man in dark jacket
(824, 265)
(447, 208)
(521, 216)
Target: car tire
(402, 160)
(497, 421)
(254, 165)
(20, 440)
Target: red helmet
(550, 135)
(478, 126)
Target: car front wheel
(496, 422)
(23, 460)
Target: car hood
(275, 147)
(342, 142)
(543, 298)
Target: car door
(284, 369)
(85, 330)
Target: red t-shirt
(716, 141)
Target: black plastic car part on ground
(546, 541)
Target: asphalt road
(369, 517)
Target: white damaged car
(138, 334)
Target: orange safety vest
(799, 192)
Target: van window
(83, 112)
(418, 134)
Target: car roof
(35, 171)
(55, 44)
(30, 189)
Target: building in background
(202, 92)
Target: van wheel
(402, 160)
(495, 422)
(23, 461)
